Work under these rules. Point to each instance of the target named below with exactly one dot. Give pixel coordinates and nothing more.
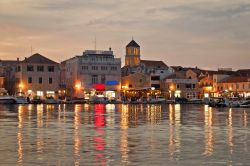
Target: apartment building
(37, 76)
(94, 73)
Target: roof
(38, 58)
(222, 72)
(235, 79)
(176, 75)
(132, 44)
(243, 72)
(8, 62)
(150, 63)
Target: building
(149, 72)
(94, 73)
(37, 76)
(7, 75)
(178, 85)
(133, 56)
(235, 86)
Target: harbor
(123, 134)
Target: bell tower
(133, 56)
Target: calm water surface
(123, 135)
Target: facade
(235, 86)
(95, 73)
(37, 76)
(178, 86)
(7, 75)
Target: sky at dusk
(204, 33)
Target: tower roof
(132, 44)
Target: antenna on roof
(31, 50)
(95, 43)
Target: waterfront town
(97, 75)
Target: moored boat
(20, 98)
(5, 98)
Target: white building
(95, 73)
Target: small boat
(5, 98)
(218, 102)
(36, 100)
(245, 104)
(195, 101)
(157, 100)
(20, 98)
(51, 100)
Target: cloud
(178, 32)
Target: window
(193, 87)
(40, 80)
(188, 86)
(51, 68)
(50, 80)
(39, 93)
(40, 68)
(30, 68)
(113, 68)
(94, 67)
(155, 77)
(104, 68)
(30, 80)
(18, 68)
(177, 86)
(85, 67)
(94, 79)
(156, 86)
(103, 79)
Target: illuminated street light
(20, 86)
(78, 86)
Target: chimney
(110, 49)
(17, 59)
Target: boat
(245, 104)
(218, 102)
(195, 101)
(20, 98)
(5, 98)
(157, 100)
(51, 100)
(36, 100)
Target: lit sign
(99, 87)
(112, 82)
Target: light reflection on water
(123, 135)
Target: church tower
(132, 57)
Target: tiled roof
(132, 44)
(212, 72)
(235, 79)
(243, 72)
(38, 58)
(157, 64)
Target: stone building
(37, 76)
(152, 71)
